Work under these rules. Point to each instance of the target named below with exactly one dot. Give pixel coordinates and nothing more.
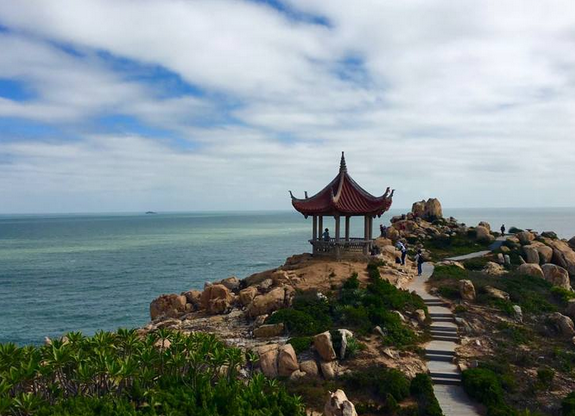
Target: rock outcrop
(309, 367)
(247, 295)
(429, 210)
(268, 331)
(572, 243)
(563, 255)
(530, 269)
(324, 347)
(339, 405)
(531, 254)
(269, 360)
(562, 323)
(267, 303)
(525, 237)
(467, 290)
(494, 269)
(556, 275)
(216, 299)
(169, 306)
(496, 293)
(483, 234)
(287, 360)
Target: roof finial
(342, 165)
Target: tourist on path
(503, 230)
(401, 247)
(419, 262)
(326, 235)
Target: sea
(85, 272)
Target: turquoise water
(61, 273)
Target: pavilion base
(341, 249)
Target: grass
(458, 245)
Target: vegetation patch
(123, 374)
(442, 247)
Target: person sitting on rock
(326, 235)
(503, 230)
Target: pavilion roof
(343, 196)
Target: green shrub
(477, 263)
(545, 377)
(309, 315)
(449, 272)
(483, 385)
(460, 309)
(449, 292)
(562, 295)
(568, 405)
(380, 381)
(421, 387)
(300, 344)
(124, 374)
(352, 283)
(515, 230)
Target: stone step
(443, 328)
(440, 352)
(445, 338)
(435, 357)
(445, 381)
(444, 334)
(454, 376)
(440, 315)
(443, 319)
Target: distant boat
(151, 212)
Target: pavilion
(342, 197)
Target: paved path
(440, 352)
(494, 246)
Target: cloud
(473, 102)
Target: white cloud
(470, 101)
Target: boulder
(467, 290)
(563, 255)
(525, 237)
(338, 405)
(505, 249)
(287, 360)
(247, 295)
(420, 316)
(193, 297)
(270, 330)
(531, 254)
(556, 275)
(392, 233)
(517, 313)
(266, 284)
(309, 367)
(346, 334)
(216, 299)
(494, 269)
(545, 253)
(530, 269)
(500, 258)
(269, 360)
(257, 278)
(267, 303)
(232, 283)
(507, 258)
(549, 234)
(433, 209)
(280, 277)
(496, 293)
(328, 369)
(169, 306)
(570, 309)
(562, 323)
(572, 243)
(324, 347)
(484, 235)
(418, 209)
(297, 375)
(485, 224)
(451, 263)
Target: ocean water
(61, 273)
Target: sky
(184, 105)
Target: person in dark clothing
(382, 230)
(403, 254)
(503, 230)
(326, 235)
(419, 261)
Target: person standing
(326, 235)
(503, 230)
(403, 249)
(419, 262)
(382, 230)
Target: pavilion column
(314, 233)
(347, 228)
(320, 227)
(371, 228)
(337, 228)
(365, 233)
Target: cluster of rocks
(281, 360)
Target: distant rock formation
(429, 210)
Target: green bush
(449, 272)
(515, 230)
(545, 377)
(380, 381)
(477, 263)
(483, 385)
(449, 292)
(352, 283)
(309, 315)
(124, 374)
(300, 344)
(421, 387)
(568, 405)
(562, 295)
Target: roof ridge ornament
(342, 165)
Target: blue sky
(125, 105)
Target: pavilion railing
(334, 247)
